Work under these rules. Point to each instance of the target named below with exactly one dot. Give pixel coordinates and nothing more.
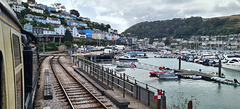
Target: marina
(208, 92)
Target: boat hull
(122, 59)
(168, 76)
(231, 66)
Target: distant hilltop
(186, 27)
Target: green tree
(68, 36)
(23, 21)
(63, 21)
(25, 5)
(167, 41)
(26, 11)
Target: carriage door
(1, 73)
(16, 47)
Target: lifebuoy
(160, 68)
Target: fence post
(158, 101)
(108, 77)
(118, 81)
(87, 67)
(163, 100)
(102, 73)
(123, 85)
(90, 65)
(98, 69)
(112, 80)
(136, 89)
(148, 95)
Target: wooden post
(179, 68)
(123, 85)
(190, 105)
(219, 68)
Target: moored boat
(233, 64)
(167, 76)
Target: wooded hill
(184, 28)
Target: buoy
(160, 68)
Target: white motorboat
(233, 63)
(127, 58)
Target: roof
(36, 7)
(52, 18)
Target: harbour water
(208, 94)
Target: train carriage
(19, 65)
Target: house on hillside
(41, 6)
(36, 9)
(50, 9)
(38, 30)
(88, 33)
(73, 17)
(85, 19)
(29, 17)
(112, 31)
(49, 32)
(82, 35)
(53, 20)
(60, 29)
(40, 19)
(28, 27)
(17, 7)
(73, 30)
(14, 1)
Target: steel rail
(59, 82)
(82, 85)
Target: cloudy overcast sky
(121, 14)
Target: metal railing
(110, 79)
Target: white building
(81, 34)
(53, 20)
(74, 31)
(59, 7)
(14, 1)
(49, 32)
(36, 9)
(110, 30)
(18, 8)
(60, 30)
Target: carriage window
(16, 49)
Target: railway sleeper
(83, 96)
(92, 101)
(76, 88)
(90, 106)
(76, 93)
(81, 99)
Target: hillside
(184, 28)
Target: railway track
(72, 91)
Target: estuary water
(205, 94)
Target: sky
(122, 14)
